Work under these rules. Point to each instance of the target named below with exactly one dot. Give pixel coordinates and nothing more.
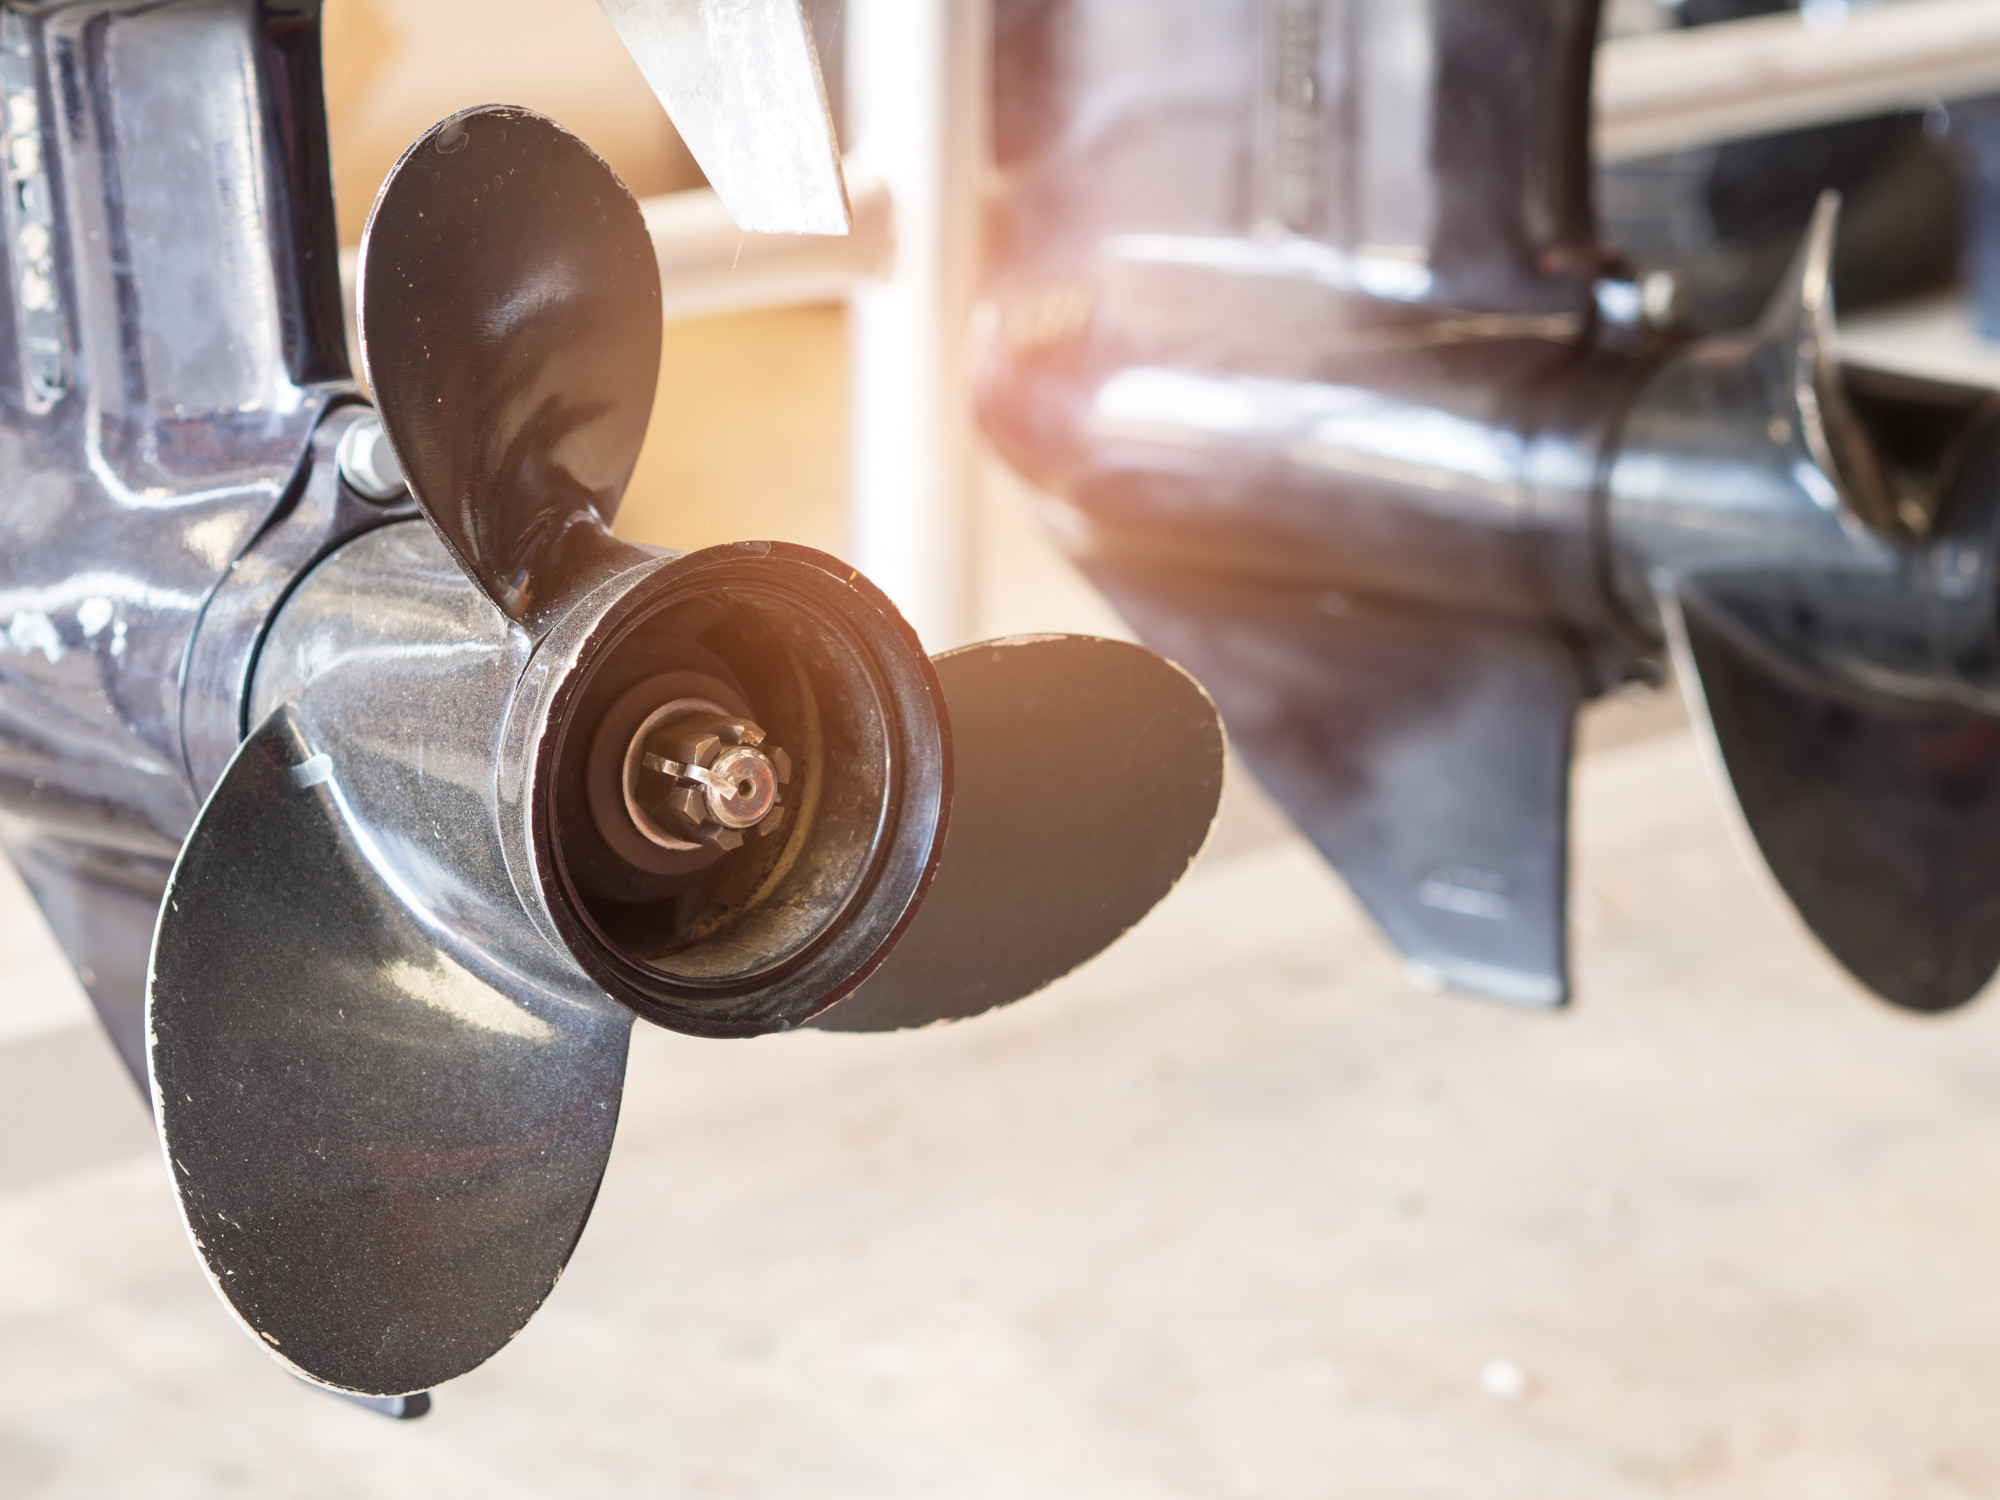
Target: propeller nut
(710, 778)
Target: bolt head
(366, 461)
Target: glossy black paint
(1299, 300)
(510, 307)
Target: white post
(916, 102)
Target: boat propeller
(514, 781)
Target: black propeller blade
(509, 307)
(1879, 818)
(1087, 775)
(386, 1135)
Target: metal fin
(1086, 774)
(1798, 328)
(1426, 757)
(395, 1408)
(1878, 818)
(741, 81)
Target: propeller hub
(695, 924)
(704, 775)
